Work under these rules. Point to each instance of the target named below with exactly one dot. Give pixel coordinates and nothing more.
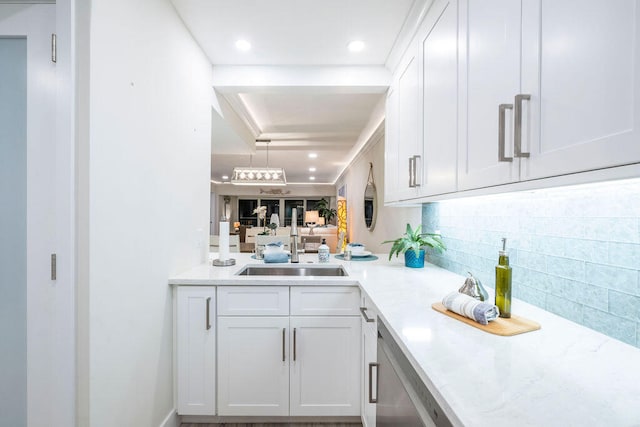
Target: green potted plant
(411, 244)
(322, 206)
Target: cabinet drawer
(325, 301)
(253, 300)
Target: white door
(253, 366)
(325, 366)
(196, 350)
(586, 56)
(439, 87)
(37, 374)
(489, 77)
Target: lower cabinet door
(325, 366)
(369, 374)
(196, 350)
(253, 366)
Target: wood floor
(273, 425)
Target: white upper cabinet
(438, 44)
(422, 111)
(391, 145)
(489, 78)
(403, 143)
(581, 63)
(553, 82)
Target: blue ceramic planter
(413, 261)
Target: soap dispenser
(323, 252)
(503, 282)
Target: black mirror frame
(370, 187)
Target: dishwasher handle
(371, 366)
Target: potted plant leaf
(411, 244)
(322, 206)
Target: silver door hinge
(54, 272)
(54, 49)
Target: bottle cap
(504, 246)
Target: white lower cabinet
(304, 365)
(325, 366)
(196, 350)
(369, 335)
(253, 365)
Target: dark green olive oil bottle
(503, 282)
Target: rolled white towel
(467, 306)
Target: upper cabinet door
(391, 145)
(438, 41)
(585, 54)
(409, 144)
(489, 76)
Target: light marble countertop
(562, 375)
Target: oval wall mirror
(370, 202)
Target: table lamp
(311, 218)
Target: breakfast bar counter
(561, 375)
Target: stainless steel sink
(292, 270)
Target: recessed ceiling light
(243, 45)
(225, 176)
(313, 155)
(356, 46)
(312, 169)
(312, 178)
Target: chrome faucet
(294, 236)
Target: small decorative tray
(504, 327)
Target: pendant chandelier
(259, 176)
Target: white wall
(390, 221)
(149, 155)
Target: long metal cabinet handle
(517, 126)
(283, 339)
(363, 310)
(208, 311)
(413, 174)
(294, 344)
(502, 108)
(371, 366)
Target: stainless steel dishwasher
(402, 398)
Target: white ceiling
(308, 33)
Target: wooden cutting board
(504, 327)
